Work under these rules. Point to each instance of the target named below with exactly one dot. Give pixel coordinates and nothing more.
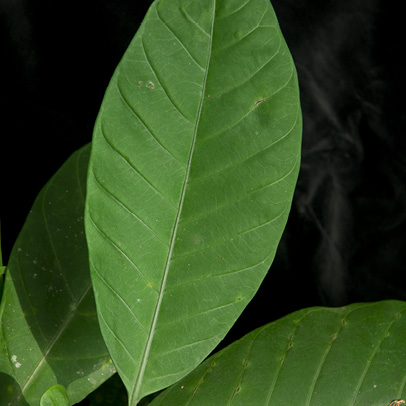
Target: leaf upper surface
(194, 160)
(350, 356)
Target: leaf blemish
(15, 362)
(259, 101)
(150, 85)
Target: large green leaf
(49, 329)
(194, 160)
(350, 356)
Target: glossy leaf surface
(350, 356)
(194, 160)
(49, 329)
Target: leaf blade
(349, 356)
(158, 208)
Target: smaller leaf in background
(55, 396)
(49, 330)
(2, 272)
(349, 356)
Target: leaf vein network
(118, 296)
(371, 358)
(119, 250)
(193, 21)
(240, 198)
(122, 373)
(180, 42)
(135, 169)
(236, 163)
(210, 137)
(259, 69)
(205, 312)
(220, 275)
(216, 243)
(121, 204)
(147, 129)
(154, 72)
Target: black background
(345, 239)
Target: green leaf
(2, 272)
(55, 396)
(49, 329)
(349, 356)
(194, 160)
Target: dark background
(345, 239)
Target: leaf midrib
(138, 382)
